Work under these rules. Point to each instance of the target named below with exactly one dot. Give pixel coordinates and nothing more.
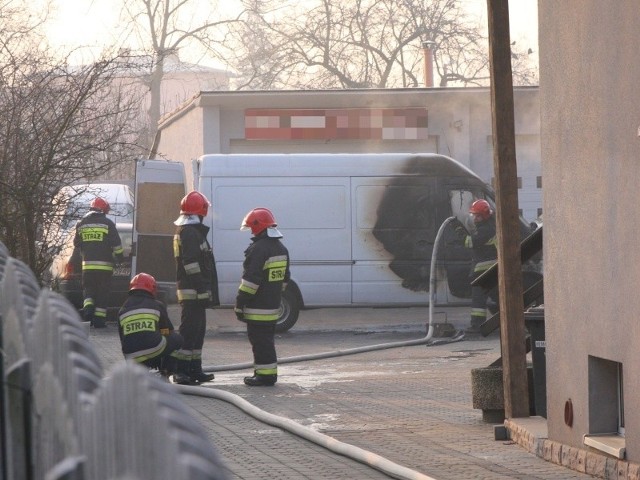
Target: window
(606, 407)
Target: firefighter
(197, 286)
(482, 242)
(146, 333)
(264, 278)
(98, 242)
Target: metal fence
(64, 419)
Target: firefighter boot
(182, 377)
(88, 313)
(261, 380)
(197, 375)
(474, 326)
(99, 322)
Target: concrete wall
(184, 138)
(590, 115)
(459, 125)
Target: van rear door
(159, 187)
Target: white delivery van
(360, 228)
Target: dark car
(66, 272)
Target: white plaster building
(450, 121)
(590, 137)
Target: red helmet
(144, 281)
(258, 220)
(194, 203)
(482, 208)
(100, 204)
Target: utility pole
(514, 363)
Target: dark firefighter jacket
(483, 244)
(196, 275)
(142, 323)
(265, 275)
(98, 241)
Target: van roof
(332, 165)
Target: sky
(523, 20)
(82, 22)
(92, 22)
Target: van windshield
(121, 213)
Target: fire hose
(363, 456)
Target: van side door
(313, 214)
(394, 227)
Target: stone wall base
(531, 434)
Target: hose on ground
(427, 340)
(351, 451)
(363, 456)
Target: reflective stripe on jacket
(265, 274)
(98, 241)
(140, 322)
(196, 276)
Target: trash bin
(534, 321)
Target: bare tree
(524, 66)
(162, 27)
(357, 44)
(58, 126)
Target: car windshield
(119, 213)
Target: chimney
(427, 50)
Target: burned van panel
(406, 227)
(372, 277)
(438, 166)
(411, 212)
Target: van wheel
(289, 311)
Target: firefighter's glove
(119, 259)
(242, 299)
(458, 227)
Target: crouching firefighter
(197, 286)
(146, 332)
(264, 278)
